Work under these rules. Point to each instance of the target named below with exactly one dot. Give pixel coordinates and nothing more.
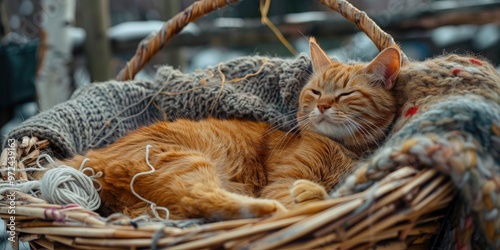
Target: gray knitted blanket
(256, 88)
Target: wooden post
(53, 84)
(97, 45)
(3, 19)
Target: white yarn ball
(66, 185)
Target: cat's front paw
(305, 191)
(263, 208)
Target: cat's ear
(320, 60)
(386, 66)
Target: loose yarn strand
(264, 9)
(66, 185)
(152, 205)
(93, 175)
(62, 185)
(26, 186)
(236, 80)
(39, 165)
(48, 159)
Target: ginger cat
(228, 169)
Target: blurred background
(48, 48)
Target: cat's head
(350, 103)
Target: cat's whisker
(302, 122)
(284, 116)
(289, 113)
(372, 125)
(302, 119)
(275, 127)
(351, 127)
(281, 138)
(284, 139)
(360, 142)
(376, 116)
(310, 72)
(289, 137)
(281, 141)
(366, 133)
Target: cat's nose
(323, 107)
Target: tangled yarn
(62, 185)
(65, 185)
(154, 208)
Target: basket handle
(380, 38)
(152, 44)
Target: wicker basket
(408, 206)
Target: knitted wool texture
(100, 113)
(449, 113)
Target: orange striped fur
(352, 104)
(227, 169)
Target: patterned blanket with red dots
(449, 120)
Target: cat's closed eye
(316, 92)
(345, 94)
